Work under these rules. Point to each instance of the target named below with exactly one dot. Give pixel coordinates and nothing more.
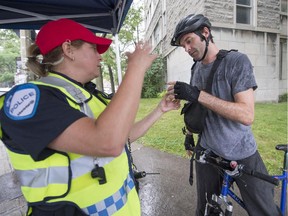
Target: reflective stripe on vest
(76, 93)
(42, 177)
(112, 204)
(87, 164)
(46, 178)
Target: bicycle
(219, 203)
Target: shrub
(154, 80)
(283, 98)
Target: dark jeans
(257, 194)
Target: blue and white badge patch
(22, 101)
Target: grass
(269, 128)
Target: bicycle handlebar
(233, 166)
(259, 175)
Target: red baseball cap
(55, 33)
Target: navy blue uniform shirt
(51, 116)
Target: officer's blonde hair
(41, 65)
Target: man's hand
(185, 91)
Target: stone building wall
(261, 41)
(268, 14)
(220, 11)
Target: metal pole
(118, 59)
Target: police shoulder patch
(22, 101)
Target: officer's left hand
(168, 104)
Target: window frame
(283, 59)
(251, 12)
(164, 24)
(157, 34)
(283, 3)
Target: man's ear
(205, 32)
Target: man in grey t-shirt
(227, 131)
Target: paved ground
(12, 202)
(168, 193)
(164, 194)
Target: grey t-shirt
(228, 139)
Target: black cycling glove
(186, 92)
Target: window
(164, 26)
(152, 7)
(148, 19)
(156, 34)
(283, 59)
(164, 5)
(284, 6)
(243, 11)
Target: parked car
(4, 90)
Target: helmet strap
(206, 49)
(206, 42)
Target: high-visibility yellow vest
(67, 176)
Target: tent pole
(118, 59)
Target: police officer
(66, 141)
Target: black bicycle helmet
(191, 23)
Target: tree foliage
(128, 36)
(130, 31)
(154, 80)
(9, 50)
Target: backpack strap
(221, 54)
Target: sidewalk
(12, 202)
